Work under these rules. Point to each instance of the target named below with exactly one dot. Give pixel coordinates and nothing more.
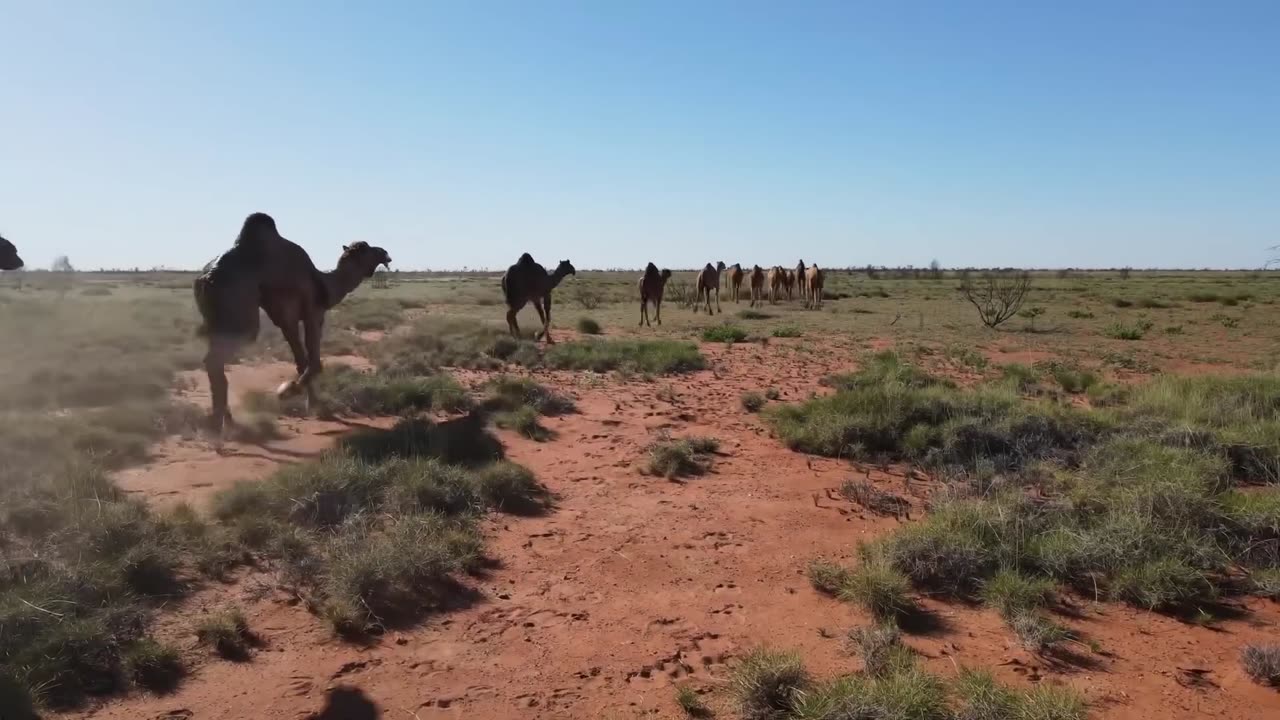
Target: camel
(789, 283)
(775, 284)
(735, 280)
(528, 282)
(652, 284)
(801, 280)
(757, 285)
(813, 285)
(264, 270)
(708, 281)
(9, 259)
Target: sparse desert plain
(876, 508)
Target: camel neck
(554, 278)
(341, 281)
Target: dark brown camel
(652, 285)
(813, 286)
(708, 281)
(9, 259)
(735, 280)
(802, 280)
(264, 270)
(757, 285)
(528, 282)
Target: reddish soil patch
(635, 583)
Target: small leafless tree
(935, 269)
(680, 292)
(1125, 272)
(997, 296)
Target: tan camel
(652, 285)
(757, 285)
(813, 285)
(9, 259)
(801, 280)
(528, 282)
(789, 283)
(708, 281)
(735, 280)
(264, 270)
(775, 284)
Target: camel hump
(257, 229)
(525, 259)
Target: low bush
(787, 331)
(587, 326)
(1262, 663)
(154, 666)
(226, 632)
(687, 456)
(343, 390)
(881, 649)
(658, 357)
(769, 684)
(724, 334)
(752, 401)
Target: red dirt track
(634, 583)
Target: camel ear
(346, 248)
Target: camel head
(365, 257)
(565, 268)
(720, 266)
(9, 259)
(666, 273)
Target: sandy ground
(633, 584)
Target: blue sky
(613, 133)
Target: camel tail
(201, 289)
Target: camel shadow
(347, 703)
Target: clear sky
(614, 132)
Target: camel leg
(657, 310)
(511, 322)
(313, 327)
(718, 300)
(220, 352)
(546, 320)
(644, 312)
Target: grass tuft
(768, 684)
(226, 632)
(587, 326)
(687, 456)
(724, 334)
(154, 666)
(692, 705)
(1262, 663)
(752, 401)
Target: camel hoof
(287, 388)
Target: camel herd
(265, 271)
(778, 281)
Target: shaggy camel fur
(735, 280)
(813, 284)
(776, 279)
(801, 280)
(708, 281)
(9, 259)
(652, 285)
(528, 282)
(757, 286)
(264, 270)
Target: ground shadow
(922, 621)
(461, 441)
(347, 703)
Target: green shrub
(1162, 583)
(787, 331)
(637, 356)
(980, 697)
(879, 588)
(344, 390)
(154, 666)
(507, 392)
(226, 632)
(587, 326)
(1124, 331)
(752, 401)
(724, 334)
(1073, 380)
(828, 577)
(1035, 631)
(881, 649)
(1080, 314)
(768, 684)
(1022, 377)
(1051, 702)
(1010, 592)
(753, 315)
